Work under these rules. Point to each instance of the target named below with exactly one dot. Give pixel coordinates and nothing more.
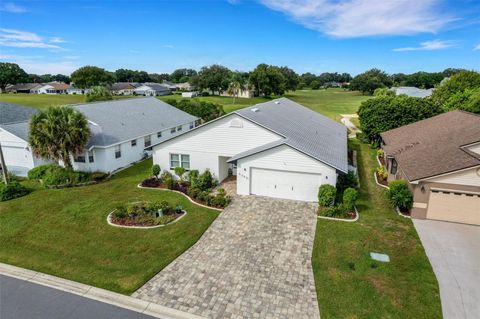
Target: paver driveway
(253, 262)
(454, 252)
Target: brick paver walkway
(253, 262)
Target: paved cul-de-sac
(253, 262)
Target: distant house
(277, 149)
(248, 93)
(75, 90)
(189, 94)
(123, 88)
(184, 86)
(172, 86)
(412, 91)
(53, 88)
(440, 159)
(24, 88)
(120, 132)
(152, 89)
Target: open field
(41, 101)
(352, 285)
(64, 232)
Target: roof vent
(255, 109)
(277, 102)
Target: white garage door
(454, 206)
(18, 159)
(284, 184)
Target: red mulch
(381, 180)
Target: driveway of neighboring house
(454, 252)
(253, 262)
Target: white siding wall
(18, 157)
(218, 138)
(469, 177)
(282, 158)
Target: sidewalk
(102, 295)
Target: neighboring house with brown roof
(123, 88)
(440, 159)
(53, 88)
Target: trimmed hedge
(400, 195)
(56, 175)
(326, 195)
(12, 190)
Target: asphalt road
(25, 300)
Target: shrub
(57, 175)
(333, 211)
(380, 153)
(167, 179)
(326, 195)
(193, 177)
(193, 192)
(120, 211)
(350, 196)
(179, 171)
(345, 181)
(382, 172)
(12, 190)
(400, 195)
(151, 182)
(39, 171)
(206, 181)
(98, 176)
(156, 170)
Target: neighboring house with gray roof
(25, 88)
(412, 91)
(120, 132)
(278, 149)
(152, 89)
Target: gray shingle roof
(303, 129)
(412, 91)
(19, 129)
(157, 86)
(116, 121)
(10, 113)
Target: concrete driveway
(253, 262)
(454, 252)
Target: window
(180, 160)
(173, 130)
(192, 125)
(118, 151)
(179, 128)
(148, 140)
(90, 156)
(80, 158)
(394, 167)
(133, 143)
(159, 134)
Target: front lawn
(42, 101)
(352, 285)
(64, 232)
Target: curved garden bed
(145, 215)
(349, 217)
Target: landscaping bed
(56, 176)
(146, 214)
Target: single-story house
(412, 91)
(184, 86)
(123, 88)
(189, 95)
(152, 89)
(121, 130)
(24, 88)
(74, 90)
(278, 149)
(247, 93)
(53, 88)
(439, 157)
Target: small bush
(380, 153)
(151, 182)
(179, 171)
(12, 190)
(333, 211)
(167, 179)
(38, 172)
(382, 172)
(57, 175)
(120, 211)
(156, 170)
(193, 177)
(345, 181)
(206, 181)
(350, 196)
(400, 195)
(326, 195)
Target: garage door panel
(455, 207)
(284, 184)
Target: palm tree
(234, 89)
(58, 132)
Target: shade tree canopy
(89, 76)
(11, 73)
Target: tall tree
(215, 78)
(308, 78)
(58, 132)
(182, 75)
(89, 76)
(424, 80)
(291, 78)
(267, 80)
(458, 82)
(370, 80)
(11, 73)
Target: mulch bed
(382, 160)
(381, 180)
(128, 221)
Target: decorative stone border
(376, 181)
(378, 160)
(109, 221)
(342, 219)
(185, 195)
(400, 213)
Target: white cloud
(57, 40)
(24, 39)
(12, 8)
(71, 57)
(362, 18)
(477, 47)
(428, 46)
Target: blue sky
(306, 35)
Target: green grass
(349, 283)
(330, 102)
(42, 101)
(64, 233)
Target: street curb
(94, 293)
